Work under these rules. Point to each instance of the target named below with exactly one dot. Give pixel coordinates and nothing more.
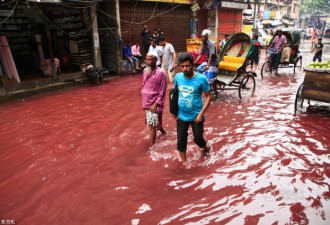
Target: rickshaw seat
(231, 63)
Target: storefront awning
(171, 1)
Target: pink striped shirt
(136, 50)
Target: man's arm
(206, 104)
(174, 59)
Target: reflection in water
(81, 157)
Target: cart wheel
(266, 69)
(299, 100)
(247, 87)
(298, 64)
(98, 79)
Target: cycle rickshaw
(295, 61)
(234, 59)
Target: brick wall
(174, 24)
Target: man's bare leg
(152, 135)
(183, 157)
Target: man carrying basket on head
(210, 66)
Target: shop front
(39, 34)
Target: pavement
(13, 91)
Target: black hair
(186, 57)
(155, 40)
(255, 37)
(319, 39)
(136, 42)
(162, 39)
(127, 41)
(156, 29)
(227, 35)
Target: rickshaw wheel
(299, 100)
(298, 63)
(98, 79)
(266, 69)
(247, 87)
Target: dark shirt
(209, 49)
(257, 45)
(127, 50)
(145, 36)
(155, 38)
(318, 46)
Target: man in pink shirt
(278, 45)
(153, 95)
(136, 50)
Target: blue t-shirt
(190, 95)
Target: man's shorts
(152, 118)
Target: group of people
(191, 85)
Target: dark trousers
(182, 134)
(146, 47)
(318, 57)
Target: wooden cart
(316, 87)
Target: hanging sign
(195, 7)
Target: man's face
(280, 33)
(162, 43)
(155, 32)
(204, 38)
(153, 44)
(319, 41)
(137, 44)
(186, 68)
(227, 38)
(145, 27)
(151, 61)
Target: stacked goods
(322, 65)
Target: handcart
(234, 59)
(316, 87)
(295, 61)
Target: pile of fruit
(322, 65)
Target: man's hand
(199, 118)
(153, 107)
(206, 68)
(175, 117)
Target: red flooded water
(80, 157)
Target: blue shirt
(190, 95)
(127, 50)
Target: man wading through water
(191, 85)
(153, 95)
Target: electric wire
(10, 13)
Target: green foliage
(308, 6)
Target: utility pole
(96, 40)
(194, 22)
(254, 18)
(118, 50)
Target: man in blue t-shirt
(191, 85)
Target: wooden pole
(97, 62)
(118, 50)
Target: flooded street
(81, 156)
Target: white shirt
(158, 51)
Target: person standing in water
(191, 85)
(153, 95)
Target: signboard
(170, 1)
(266, 15)
(195, 7)
(247, 29)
